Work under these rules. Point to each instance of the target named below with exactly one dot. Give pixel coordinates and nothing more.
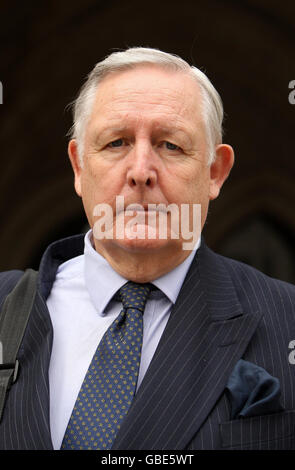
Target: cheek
(99, 183)
(91, 192)
(190, 184)
(93, 174)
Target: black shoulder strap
(13, 321)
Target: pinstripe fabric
(247, 433)
(29, 397)
(25, 424)
(225, 311)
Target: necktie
(110, 382)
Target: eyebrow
(109, 130)
(158, 129)
(175, 130)
(171, 129)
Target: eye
(171, 146)
(116, 143)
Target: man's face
(145, 140)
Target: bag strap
(13, 321)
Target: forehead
(148, 90)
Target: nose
(142, 171)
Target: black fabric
(13, 321)
(253, 391)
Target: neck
(141, 265)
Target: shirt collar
(102, 281)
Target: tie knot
(134, 295)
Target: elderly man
(137, 339)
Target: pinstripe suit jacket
(225, 311)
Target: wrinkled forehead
(148, 88)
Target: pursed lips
(150, 207)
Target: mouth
(145, 207)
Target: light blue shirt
(82, 307)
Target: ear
(76, 164)
(220, 169)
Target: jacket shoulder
(259, 287)
(8, 279)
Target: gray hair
(211, 102)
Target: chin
(145, 238)
(143, 245)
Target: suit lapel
(25, 422)
(28, 400)
(34, 357)
(207, 333)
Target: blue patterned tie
(110, 382)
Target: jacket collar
(56, 254)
